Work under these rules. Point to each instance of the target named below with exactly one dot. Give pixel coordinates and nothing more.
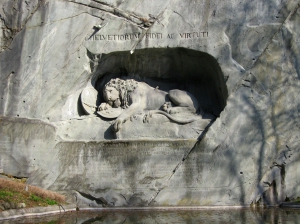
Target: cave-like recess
(168, 68)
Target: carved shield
(88, 100)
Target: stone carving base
(160, 127)
(124, 173)
(91, 128)
(141, 172)
(144, 173)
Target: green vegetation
(32, 196)
(43, 201)
(51, 202)
(4, 194)
(36, 198)
(52, 222)
(29, 199)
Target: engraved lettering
(193, 35)
(136, 36)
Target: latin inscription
(149, 36)
(136, 164)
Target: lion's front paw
(166, 106)
(147, 117)
(118, 125)
(104, 106)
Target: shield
(88, 98)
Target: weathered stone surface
(21, 205)
(239, 59)
(124, 173)
(14, 15)
(7, 205)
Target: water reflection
(270, 215)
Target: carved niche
(170, 99)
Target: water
(246, 215)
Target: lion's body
(141, 97)
(148, 97)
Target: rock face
(240, 60)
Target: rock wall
(52, 50)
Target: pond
(142, 216)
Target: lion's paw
(147, 117)
(118, 125)
(104, 106)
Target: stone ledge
(290, 205)
(51, 210)
(35, 211)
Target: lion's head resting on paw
(117, 92)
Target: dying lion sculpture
(137, 97)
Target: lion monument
(125, 98)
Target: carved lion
(137, 97)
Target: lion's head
(117, 92)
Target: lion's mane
(125, 88)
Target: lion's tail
(172, 118)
